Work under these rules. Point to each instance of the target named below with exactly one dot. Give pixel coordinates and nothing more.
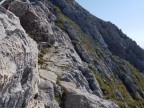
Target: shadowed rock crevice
(26, 75)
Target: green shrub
(61, 19)
(58, 81)
(90, 66)
(40, 55)
(41, 61)
(61, 98)
(108, 88)
(47, 106)
(58, 99)
(138, 79)
(57, 11)
(49, 45)
(44, 51)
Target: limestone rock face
(18, 64)
(80, 100)
(79, 94)
(76, 68)
(61, 67)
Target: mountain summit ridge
(83, 61)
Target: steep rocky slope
(104, 32)
(18, 64)
(79, 66)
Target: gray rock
(86, 57)
(93, 83)
(78, 93)
(141, 92)
(62, 59)
(131, 86)
(47, 89)
(18, 64)
(19, 8)
(83, 54)
(78, 99)
(35, 21)
(119, 95)
(5, 2)
(74, 35)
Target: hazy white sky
(128, 15)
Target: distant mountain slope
(118, 43)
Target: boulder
(93, 83)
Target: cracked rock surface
(55, 54)
(18, 64)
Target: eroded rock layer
(18, 63)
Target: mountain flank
(55, 54)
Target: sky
(128, 15)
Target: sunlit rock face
(75, 65)
(18, 63)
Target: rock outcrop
(18, 64)
(77, 68)
(106, 33)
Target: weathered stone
(65, 79)
(47, 88)
(119, 95)
(19, 8)
(83, 54)
(93, 83)
(131, 86)
(76, 98)
(18, 64)
(74, 35)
